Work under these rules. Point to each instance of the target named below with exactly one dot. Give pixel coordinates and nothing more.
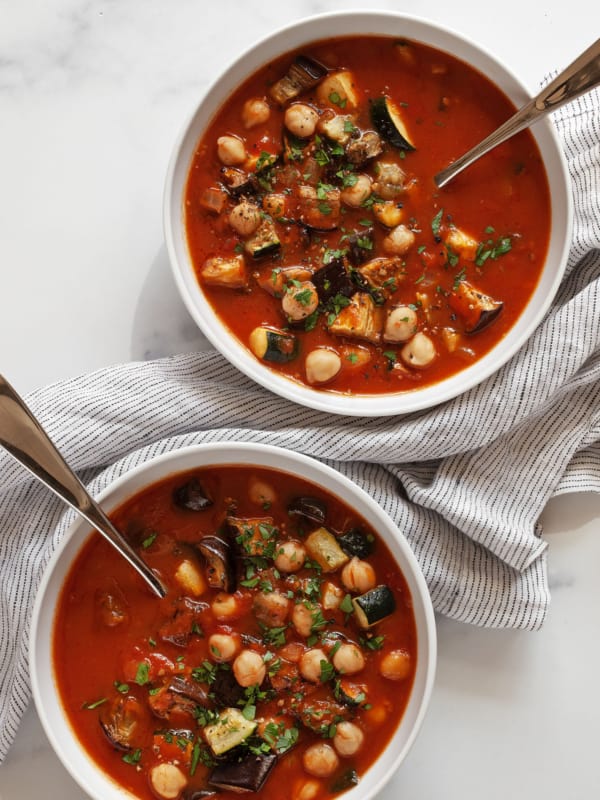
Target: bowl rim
(202, 455)
(387, 404)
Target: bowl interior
(335, 25)
(55, 722)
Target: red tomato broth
(506, 190)
(90, 658)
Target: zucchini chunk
(303, 74)
(230, 730)
(373, 606)
(220, 568)
(272, 345)
(477, 310)
(264, 242)
(351, 694)
(356, 543)
(387, 119)
(322, 547)
(246, 775)
(227, 272)
(361, 319)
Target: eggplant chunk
(363, 149)
(247, 775)
(361, 319)
(318, 213)
(220, 567)
(303, 74)
(275, 281)
(360, 245)
(188, 688)
(477, 310)
(192, 496)
(120, 720)
(308, 507)
(185, 622)
(237, 182)
(226, 689)
(253, 535)
(333, 279)
(356, 543)
(382, 273)
(165, 703)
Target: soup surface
(283, 654)
(320, 239)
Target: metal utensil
(25, 439)
(577, 79)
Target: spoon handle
(580, 77)
(25, 439)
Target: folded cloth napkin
(465, 481)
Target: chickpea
(398, 241)
(255, 111)
(244, 218)
(290, 556)
(395, 665)
(320, 760)
(249, 668)
(358, 576)
(355, 195)
(299, 302)
(400, 325)
(322, 365)
(225, 606)
(261, 493)
(274, 204)
(302, 618)
(301, 120)
(419, 351)
(231, 150)
(223, 647)
(390, 180)
(310, 664)
(306, 790)
(348, 659)
(348, 738)
(388, 213)
(167, 781)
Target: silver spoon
(25, 439)
(577, 79)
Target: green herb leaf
(436, 223)
(346, 604)
(133, 758)
(94, 704)
(123, 688)
(142, 674)
(327, 671)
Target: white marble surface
(92, 96)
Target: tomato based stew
(283, 655)
(319, 237)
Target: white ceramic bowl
(334, 25)
(54, 720)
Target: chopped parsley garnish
(459, 278)
(346, 604)
(352, 358)
(304, 297)
(436, 223)
(142, 675)
(327, 671)
(451, 256)
(390, 355)
(94, 704)
(338, 101)
(372, 642)
(149, 540)
(493, 250)
(122, 688)
(330, 255)
(133, 758)
(273, 636)
(311, 321)
(348, 126)
(205, 673)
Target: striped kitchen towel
(465, 481)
